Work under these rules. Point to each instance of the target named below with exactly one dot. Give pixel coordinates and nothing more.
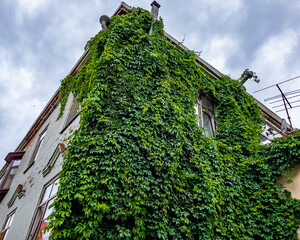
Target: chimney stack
(154, 10)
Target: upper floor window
(9, 175)
(7, 225)
(13, 161)
(38, 146)
(204, 108)
(72, 114)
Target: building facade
(29, 179)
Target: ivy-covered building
(29, 180)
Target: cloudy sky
(41, 40)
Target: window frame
(37, 147)
(39, 214)
(204, 108)
(10, 167)
(72, 114)
(5, 229)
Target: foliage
(139, 167)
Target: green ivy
(139, 167)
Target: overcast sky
(41, 40)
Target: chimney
(154, 10)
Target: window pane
(7, 225)
(16, 163)
(5, 235)
(206, 103)
(11, 218)
(8, 222)
(48, 210)
(196, 109)
(38, 148)
(42, 234)
(9, 178)
(55, 187)
(207, 125)
(42, 136)
(47, 193)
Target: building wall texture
(32, 178)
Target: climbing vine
(139, 167)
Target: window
(9, 176)
(13, 160)
(43, 211)
(7, 224)
(204, 108)
(72, 114)
(38, 147)
(59, 149)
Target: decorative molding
(19, 192)
(60, 148)
(14, 156)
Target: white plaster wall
(33, 180)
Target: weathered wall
(33, 180)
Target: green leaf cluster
(139, 167)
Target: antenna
(283, 97)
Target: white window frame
(37, 148)
(35, 231)
(7, 224)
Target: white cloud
(29, 8)
(270, 63)
(228, 7)
(17, 103)
(14, 81)
(270, 59)
(219, 49)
